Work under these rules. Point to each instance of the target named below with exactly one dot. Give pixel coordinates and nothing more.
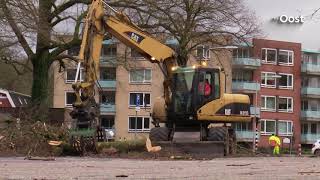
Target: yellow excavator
(194, 97)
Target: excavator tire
(159, 134)
(216, 134)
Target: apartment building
(270, 73)
(310, 97)
(124, 75)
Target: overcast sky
(308, 33)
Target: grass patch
(135, 145)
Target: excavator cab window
(208, 87)
(183, 88)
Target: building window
(108, 97)
(268, 103)
(286, 81)
(139, 124)
(285, 128)
(310, 59)
(304, 128)
(145, 100)
(245, 126)
(203, 52)
(268, 79)
(107, 122)
(70, 98)
(242, 76)
(71, 75)
(108, 73)
(313, 128)
(285, 104)
(268, 127)
(269, 56)
(136, 55)
(140, 76)
(285, 57)
(109, 50)
(241, 53)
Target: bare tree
(194, 22)
(31, 23)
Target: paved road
(220, 168)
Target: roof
(311, 51)
(19, 99)
(16, 99)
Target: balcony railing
(310, 114)
(310, 91)
(247, 136)
(310, 68)
(245, 86)
(107, 108)
(110, 84)
(309, 138)
(246, 62)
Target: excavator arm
(97, 24)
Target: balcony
(309, 138)
(245, 136)
(255, 111)
(313, 69)
(247, 63)
(310, 92)
(108, 61)
(107, 108)
(310, 115)
(108, 84)
(246, 87)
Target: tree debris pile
(25, 137)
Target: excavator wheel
(216, 134)
(159, 134)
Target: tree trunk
(40, 85)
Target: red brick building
(280, 79)
(270, 73)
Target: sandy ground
(219, 168)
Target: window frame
(266, 55)
(65, 98)
(108, 68)
(70, 81)
(143, 105)
(287, 133)
(283, 110)
(205, 52)
(108, 118)
(144, 76)
(109, 46)
(266, 80)
(138, 58)
(143, 130)
(286, 87)
(265, 126)
(288, 52)
(266, 109)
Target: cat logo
(134, 37)
(227, 111)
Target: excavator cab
(192, 88)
